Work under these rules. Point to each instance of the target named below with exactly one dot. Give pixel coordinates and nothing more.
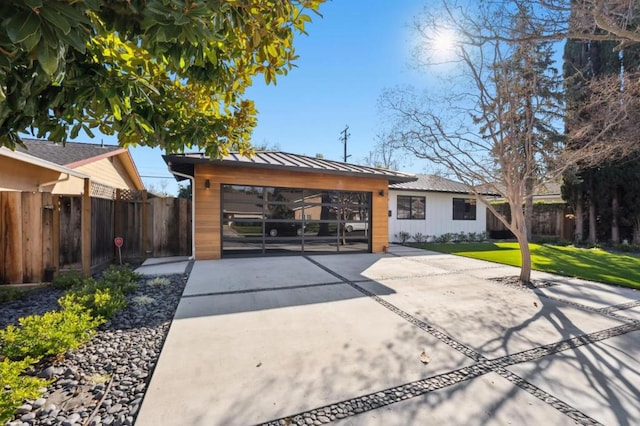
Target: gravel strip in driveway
(102, 382)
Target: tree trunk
(528, 209)
(615, 211)
(525, 255)
(518, 227)
(592, 222)
(579, 235)
(636, 231)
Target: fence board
(47, 231)
(102, 231)
(32, 237)
(70, 232)
(549, 220)
(39, 231)
(12, 260)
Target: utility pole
(344, 138)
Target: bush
(419, 238)
(102, 300)
(121, 277)
(10, 294)
(16, 386)
(158, 282)
(48, 334)
(403, 236)
(67, 280)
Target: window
(410, 207)
(464, 209)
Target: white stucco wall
(438, 216)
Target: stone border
(371, 401)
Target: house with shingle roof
(432, 206)
(108, 166)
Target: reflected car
(284, 228)
(356, 226)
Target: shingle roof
(283, 160)
(68, 154)
(432, 183)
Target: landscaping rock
(115, 365)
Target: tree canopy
(168, 73)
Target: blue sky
(355, 51)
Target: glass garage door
(272, 221)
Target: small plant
(17, 386)
(158, 282)
(419, 238)
(99, 378)
(403, 236)
(48, 334)
(143, 300)
(101, 301)
(121, 277)
(10, 294)
(67, 280)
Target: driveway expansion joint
(260, 290)
(481, 367)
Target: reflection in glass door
(272, 220)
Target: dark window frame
(412, 213)
(467, 212)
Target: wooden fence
(549, 220)
(41, 233)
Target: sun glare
(443, 44)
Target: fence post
(86, 228)
(55, 236)
(143, 243)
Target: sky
(350, 55)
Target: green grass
(590, 264)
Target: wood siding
(21, 176)
(438, 216)
(108, 171)
(207, 201)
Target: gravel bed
(514, 282)
(104, 381)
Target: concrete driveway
(314, 339)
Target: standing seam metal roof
(284, 160)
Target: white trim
(30, 159)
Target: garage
(278, 203)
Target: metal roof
(67, 154)
(432, 183)
(183, 163)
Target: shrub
(16, 386)
(121, 277)
(419, 238)
(159, 282)
(101, 300)
(48, 334)
(10, 294)
(67, 280)
(403, 236)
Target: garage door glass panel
(273, 220)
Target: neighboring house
(21, 172)
(433, 206)
(107, 166)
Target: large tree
(496, 128)
(156, 72)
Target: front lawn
(590, 264)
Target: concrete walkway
(308, 340)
